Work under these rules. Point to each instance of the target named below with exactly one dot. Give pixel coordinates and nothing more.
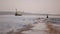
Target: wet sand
(39, 28)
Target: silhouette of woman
(47, 16)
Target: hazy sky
(33, 6)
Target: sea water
(9, 22)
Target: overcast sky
(32, 6)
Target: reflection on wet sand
(53, 28)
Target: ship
(18, 13)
